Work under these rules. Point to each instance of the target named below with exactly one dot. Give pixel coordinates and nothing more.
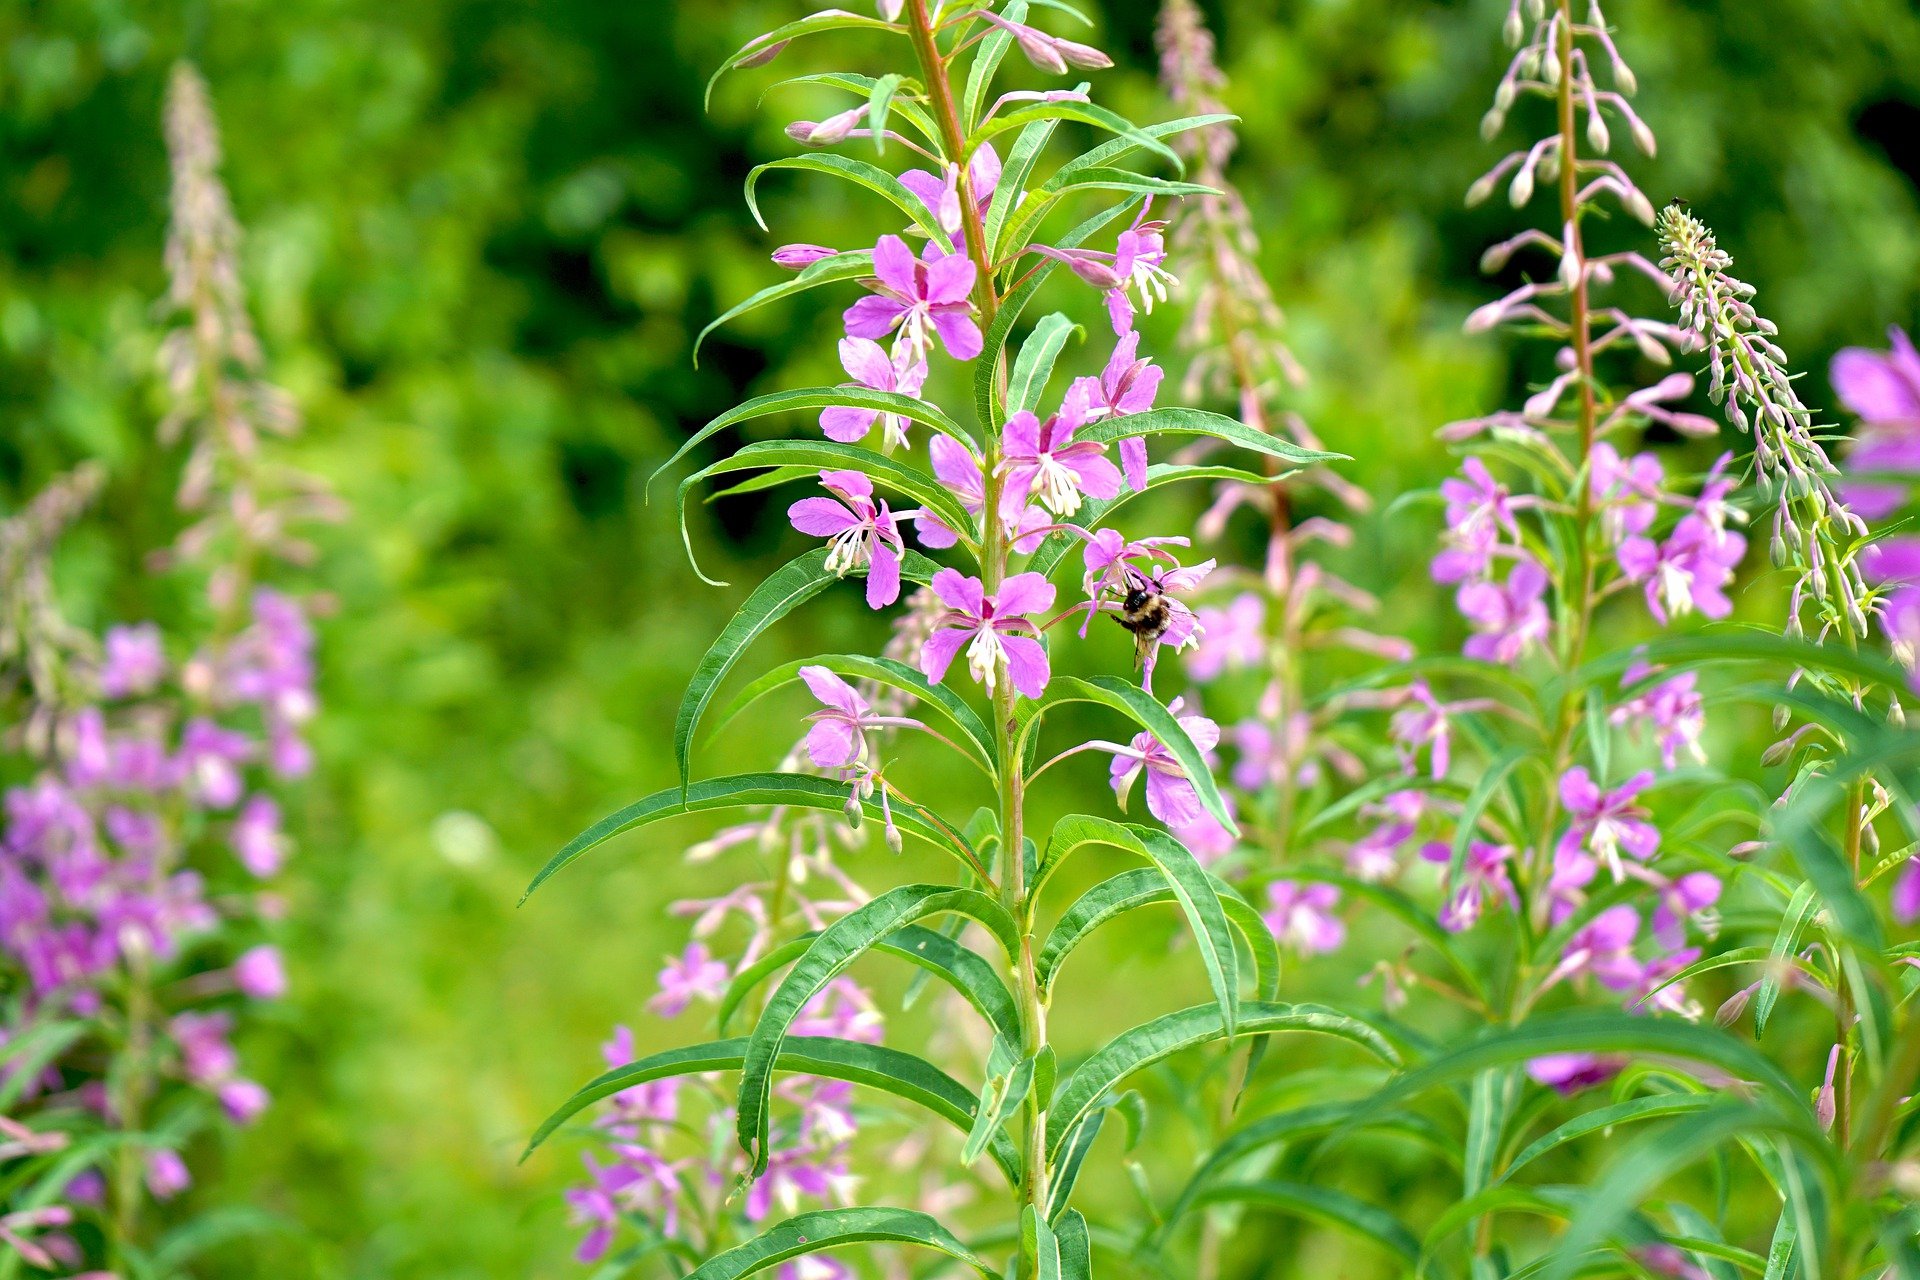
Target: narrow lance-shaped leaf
(841, 266)
(986, 61)
(786, 589)
(838, 946)
(830, 455)
(1032, 367)
(807, 398)
(1167, 1035)
(861, 174)
(1324, 1205)
(831, 1229)
(905, 1076)
(1184, 876)
(1144, 710)
(1131, 890)
(747, 790)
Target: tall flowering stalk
(134, 862)
(1031, 486)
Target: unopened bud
(1522, 189)
(1491, 122)
(761, 57)
(894, 842)
(1643, 137)
(798, 257)
(853, 811)
(1597, 136)
(1513, 30)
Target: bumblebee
(1147, 614)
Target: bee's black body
(1146, 613)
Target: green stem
(994, 554)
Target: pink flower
(256, 837)
(1479, 510)
(1042, 460)
(1690, 570)
(837, 739)
(167, 1174)
(1126, 386)
(1135, 263)
(259, 974)
(1627, 491)
(870, 367)
(1302, 916)
(994, 629)
(1604, 948)
(1423, 723)
(955, 467)
(1170, 792)
(1880, 386)
(1604, 823)
(1672, 709)
(1234, 638)
(1569, 1073)
(133, 661)
(694, 973)
(921, 298)
(1508, 621)
(1906, 893)
(1483, 879)
(941, 193)
(862, 534)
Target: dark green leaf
(829, 1229)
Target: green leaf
(829, 1229)
(1468, 829)
(796, 790)
(1169, 1034)
(993, 48)
(861, 174)
(786, 589)
(1094, 511)
(825, 20)
(830, 455)
(841, 266)
(1799, 910)
(1591, 1031)
(1037, 1242)
(1076, 1249)
(1133, 889)
(879, 100)
(1176, 421)
(839, 945)
(1015, 303)
(903, 1075)
(1606, 1118)
(1489, 1100)
(27, 1054)
(1114, 148)
(976, 739)
(1034, 365)
(820, 398)
(1098, 178)
(1144, 710)
(999, 1101)
(1085, 113)
(936, 955)
(1014, 174)
(1184, 877)
(1324, 1205)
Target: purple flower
(1507, 620)
(1126, 386)
(941, 192)
(1170, 792)
(167, 1174)
(1483, 879)
(993, 629)
(955, 467)
(1906, 893)
(798, 257)
(1301, 916)
(1673, 709)
(211, 757)
(837, 738)
(133, 662)
(1627, 491)
(1569, 1073)
(1135, 263)
(1605, 823)
(258, 973)
(1479, 510)
(694, 973)
(870, 367)
(1049, 53)
(1604, 948)
(206, 1057)
(1375, 856)
(843, 1010)
(1042, 460)
(1423, 722)
(242, 1100)
(652, 1101)
(1233, 638)
(1690, 570)
(1687, 898)
(921, 297)
(861, 534)
(1880, 386)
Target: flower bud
(1491, 122)
(826, 132)
(1522, 189)
(853, 811)
(1597, 136)
(798, 257)
(1643, 137)
(1513, 29)
(761, 57)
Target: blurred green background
(480, 234)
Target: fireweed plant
(1542, 876)
(1025, 491)
(141, 831)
